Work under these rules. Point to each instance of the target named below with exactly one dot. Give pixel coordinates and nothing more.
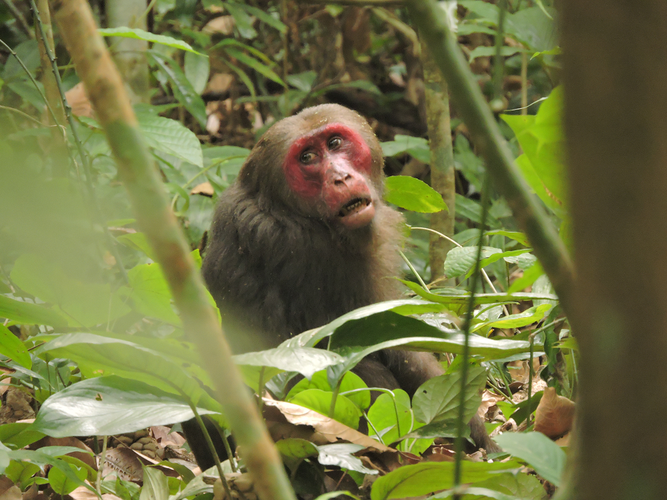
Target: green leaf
(104, 355)
(388, 329)
(13, 348)
(351, 381)
(341, 455)
(19, 434)
(527, 317)
(534, 28)
(461, 259)
(417, 147)
(29, 314)
(138, 241)
(109, 406)
(171, 137)
(346, 412)
(242, 20)
(483, 51)
(84, 304)
(424, 478)
(140, 34)
(156, 486)
(541, 138)
(302, 81)
(513, 235)
(287, 357)
(486, 261)
(62, 484)
(391, 416)
(265, 17)
(528, 278)
(197, 70)
(437, 399)
(540, 452)
(472, 210)
(150, 293)
(413, 194)
(255, 64)
(182, 88)
(296, 448)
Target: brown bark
(442, 162)
(615, 56)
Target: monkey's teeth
(352, 207)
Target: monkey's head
(324, 162)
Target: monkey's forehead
(289, 129)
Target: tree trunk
(615, 69)
(442, 162)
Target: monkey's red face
(331, 168)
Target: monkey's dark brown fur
(303, 236)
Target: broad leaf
(540, 452)
(413, 194)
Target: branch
(140, 177)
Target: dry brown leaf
(78, 100)
(329, 428)
(205, 189)
(219, 83)
(124, 464)
(83, 493)
(554, 415)
(223, 25)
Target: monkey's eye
(307, 157)
(335, 143)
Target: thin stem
(211, 448)
(32, 79)
(486, 276)
(458, 443)
(412, 268)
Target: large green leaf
(417, 147)
(345, 412)
(108, 406)
(84, 304)
(171, 137)
(13, 348)
(437, 399)
(540, 452)
(140, 34)
(424, 478)
(541, 138)
(150, 293)
(413, 194)
(102, 355)
(388, 329)
(28, 313)
(460, 260)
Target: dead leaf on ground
(554, 415)
(332, 430)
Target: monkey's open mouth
(356, 205)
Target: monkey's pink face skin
(332, 165)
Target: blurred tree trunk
(442, 162)
(615, 63)
(130, 54)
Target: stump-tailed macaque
(303, 236)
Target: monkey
(303, 236)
